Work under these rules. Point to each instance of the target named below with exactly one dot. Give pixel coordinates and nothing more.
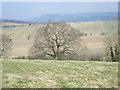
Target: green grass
(59, 74)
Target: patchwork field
(94, 42)
(59, 74)
(96, 28)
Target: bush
(20, 57)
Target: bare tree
(56, 40)
(5, 46)
(112, 50)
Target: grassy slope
(51, 74)
(97, 27)
(21, 44)
(88, 27)
(20, 32)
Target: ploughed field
(94, 42)
(59, 74)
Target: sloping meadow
(59, 74)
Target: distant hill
(79, 17)
(96, 16)
(13, 21)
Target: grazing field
(11, 24)
(21, 44)
(59, 74)
(96, 28)
(21, 32)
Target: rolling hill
(21, 44)
(79, 17)
(97, 27)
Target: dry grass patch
(59, 74)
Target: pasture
(21, 44)
(96, 28)
(59, 74)
(19, 73)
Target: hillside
(21, 44)
(59, 74)
(96, 28)
(13, 21)
(5, 24)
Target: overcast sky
(27, 10)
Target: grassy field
(21, 44)
(21, 32)
(59, 74)
(96, 28)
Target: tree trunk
(58, 54)
(111, 53)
